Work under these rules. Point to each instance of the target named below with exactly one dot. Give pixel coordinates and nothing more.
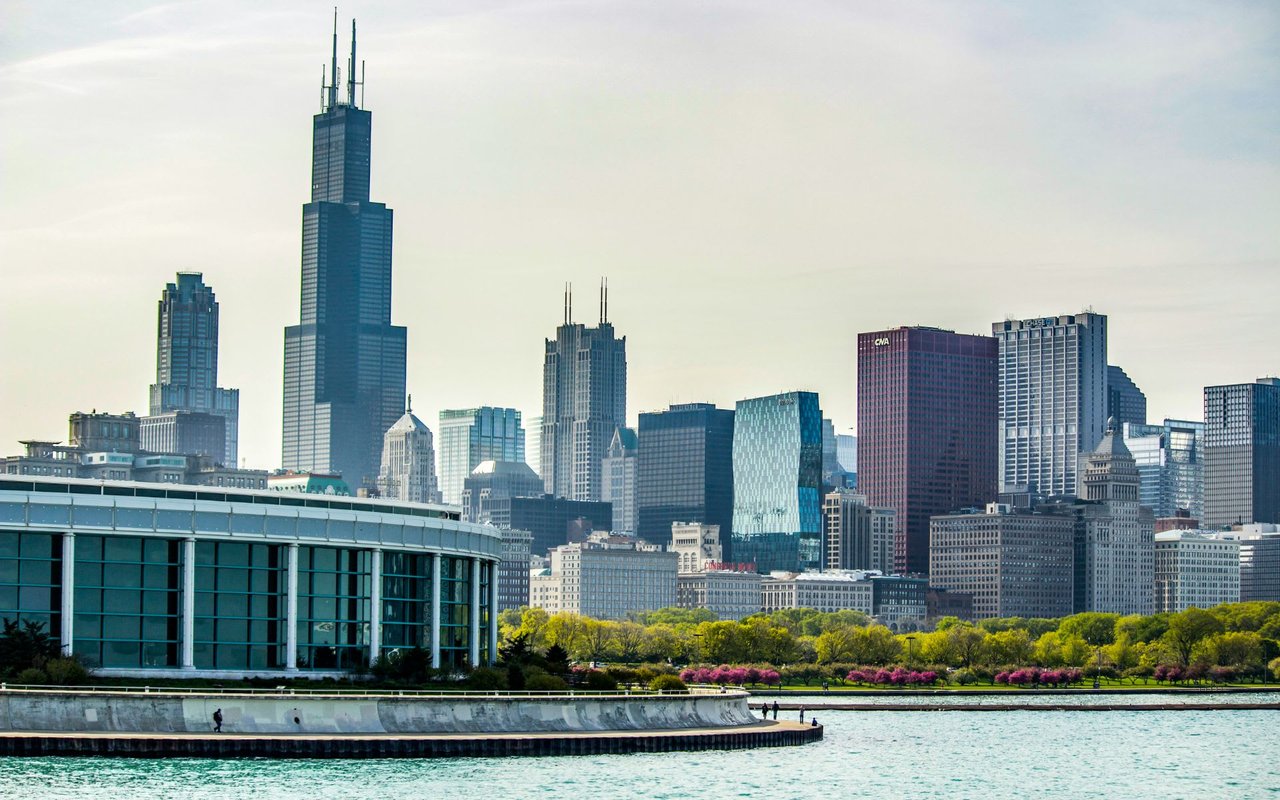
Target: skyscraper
(1053, 399)
(618, 480)
(344, 363)
(777, 482)
(408, 470)
(1125, 401)
(926, 429)
(187, 365)
(471, 435)
(685, 469)
(1170, 460)
(857, 536)
(1242, 453)
(584, 400)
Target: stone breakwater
(161, 712)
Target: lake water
(1082, 697)
(986, 756)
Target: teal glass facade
(244, 583)
(777, 483)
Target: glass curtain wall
(118, 623)
(30, 577)
(241, 601)
(333, 607)
(455, 611)
(406, 601)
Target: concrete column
(68, 592)
(375, 606)
(435, 610)
(189, 603)
(291, 613)
(493, 612)
(473, 654)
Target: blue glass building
(344, 363)
(777, 482)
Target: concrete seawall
(161, 712)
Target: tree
(25, 645)
(676, 616)
(1240, 649)
(566, 630)
(1011, 646)
(629, 639)
(1186, 629)
(936, 648)
(875, 644)
(596, 640)
(837, 644)
(1094, 627)
(1141, 628)
(1123, 653)
(967, 642)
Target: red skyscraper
(927, 429)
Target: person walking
(217, 721)
(775, 709)
(801, 715)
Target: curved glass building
(144, 579)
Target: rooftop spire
(351, 69)
(333, 75)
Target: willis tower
(344, 363)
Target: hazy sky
(759, 182)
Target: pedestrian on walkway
(802, 715)
(775, 709)
(764, 710)
(217, 721)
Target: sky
(759, 182)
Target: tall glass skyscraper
(584, 400)
(926, 429)
(1125, 401)
(471, 435)
(344, 363)
(1242, 453)
(187, 359)
(1170, 459)
(1053, 399)
(777, 482)
(685, 469)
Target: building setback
(777, 480)
(1053, 399)
(926, 429)
(469, 436)
(1192, 569)
(187, 372)
(584, 400)
(1125, 401)
(408, 471)
(1242, 453)
(344, 362)
(856, 535)
(618, 480)
(684, 471)
(1012, 562)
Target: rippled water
(1166, 754)
(1083, 698)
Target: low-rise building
(898, 601)
(840, 590)
(1259, 560)
(606, 577)
(728, 593)
(1193, 569)
(697, 545)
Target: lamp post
(911, 649)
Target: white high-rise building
(408, 462)
(1193, 569)
(618, 480)
(1053, 399)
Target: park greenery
(1233, 643)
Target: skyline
(513, 195)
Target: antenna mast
(333, 87)
(351, 69)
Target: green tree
(1141, 628)
(837, 644)
(676, 616)
(1094, 627)
(875, 644)
(967, 642)
(1186, 629)
(936, 648)
(1232, 649)
(1123, 653)
(1011, 646)
(566, 630)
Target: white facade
(618, 481)
(729, 594)
(1053, 398)
(1193, 569)
(849, 590)
(857, 535)
(696, 544)
(605, 579)
(408, 472)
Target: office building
(857, 535)
(1170, 459)
(777, 481)
(192, 433)
(730, 594)
(469, 436)
(533, 443)
(1053, 399)
(697, 546)
(552, 521)
(513, 570)
(1125, 401)
(1242, 453)
(100, 432)
(684, 471)
(166, 582)
(584, 400)
(408, 471)
(1011, 561)
(900, 602)
(606, 577)
(847, 455)
(822, 591)
(1259, 560)
(618, 480)
(187, 375)
(926, 429)
(1192, 569)
(344, 362)
(492, 481)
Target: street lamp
(911, 649)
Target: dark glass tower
(685, 469)
(187, 360)
(1242, 453)
(344, 363)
